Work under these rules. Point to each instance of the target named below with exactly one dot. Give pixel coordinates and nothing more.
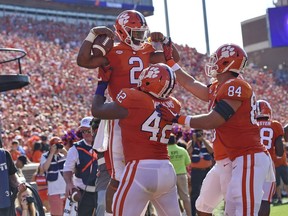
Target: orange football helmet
(131, 28)
(228, 57)
(263, 109)
(157, 80)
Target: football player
(127, 59)
(148, 174)
(271, 135)
(232, 115)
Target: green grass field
(279, 210)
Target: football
(102, 45)
(76, 195)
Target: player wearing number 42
(232, 107)
(148, 174)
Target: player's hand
(53, 149)
(157, 37)
(167, 114)
(102, 30)
(168, 50)
(69, 188)
(104, 72)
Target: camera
(199, 134)
(30, 199)
(59, 146)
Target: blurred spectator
(52, 163)
(20, 163)
(44, 143)
(15, 153)
(69, 138)
(180, 159)
(201, 152)
(37, 152)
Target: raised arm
(85, 58)
(188, 82)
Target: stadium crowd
(60, 92)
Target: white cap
(85, 122)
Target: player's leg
(269, 190)
(183, 192)
(214, 187)
(245, 193)
(116, 157)
(162, 186)
(133, 195)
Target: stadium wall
(256, 43)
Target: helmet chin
(135, 47)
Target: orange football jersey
(240, 134)
(218, 148)
(144, 134)
(269, 131)
(127, 65)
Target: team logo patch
(152, 73)
(227, 51)
(123, 19)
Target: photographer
(80, 171)
(26, 201)
(52, 163)
(200, 151)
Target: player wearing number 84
(232, 109)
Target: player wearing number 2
(127, 59)
(271, 134)
(232, 114)
(148, 174)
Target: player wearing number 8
(232, 107)
(271, 135)
(148, 174)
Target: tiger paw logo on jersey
(152, 73)
(227, 51)
(123, 19)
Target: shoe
(279, 202)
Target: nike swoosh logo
(234, 167)
(226, 164)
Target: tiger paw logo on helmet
(123, 19)
(227, 51)
(152, 72)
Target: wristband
(101, 88)
(175, 67)
(165, 40)
(90, 37)
(170, 63)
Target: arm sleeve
(235, 89)
(71, 159)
